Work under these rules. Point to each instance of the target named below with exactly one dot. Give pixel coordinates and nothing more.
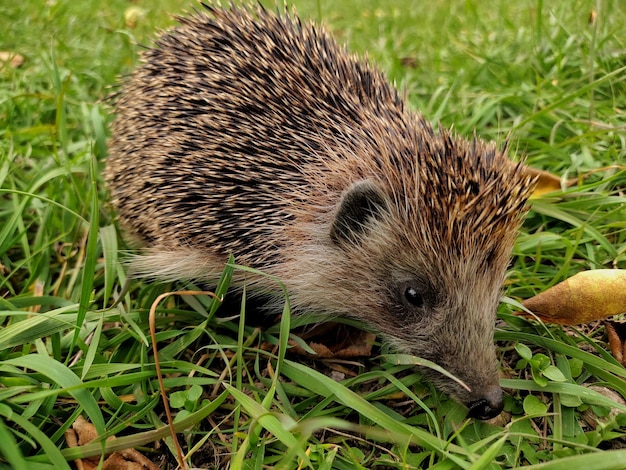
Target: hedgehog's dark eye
(414, 297)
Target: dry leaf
(616, 331)
(321, 351)
(361, 346)
(546, 182)
(83, 432)
(587, 296)
(37, 288)
(336, 341)
(11, 58)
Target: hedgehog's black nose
(487, 407)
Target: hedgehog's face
(449, 320)
(426, 302)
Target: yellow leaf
(587, 296)
(546, 182)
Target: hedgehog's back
(219, 122)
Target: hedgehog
(252, 133)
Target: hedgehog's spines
(254, 133)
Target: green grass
(538, 73)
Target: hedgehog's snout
(489, 406)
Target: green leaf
(540, 361)
(222, 286)
(138, 439)
(325, 386)
(62, 376)
(554, 374)
(93, 349)
(52, 453)
(108, 237)
(487, 458)
(194, 393)
(539, 378)
(408, 359)
(269, 421)
(178, 399)
(524, 351)
(576, 367)
(90, 252)
(9, 450)
(586, 394)
(600, 460)
(182, 414)
(534, 406)
(570, 400)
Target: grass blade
(64, 378)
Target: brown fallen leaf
(11, 59)
(587, 296)
(321, 351)
(336, 341)
(546, 182)
(83, 432)
(616, 331)
(361, 347)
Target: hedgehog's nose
(488, 406)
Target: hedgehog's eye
(414, 297)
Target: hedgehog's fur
(252, 133)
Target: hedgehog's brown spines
(254, 133)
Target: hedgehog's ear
(362, 202)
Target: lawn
(548, 77)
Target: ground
(547, 77)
